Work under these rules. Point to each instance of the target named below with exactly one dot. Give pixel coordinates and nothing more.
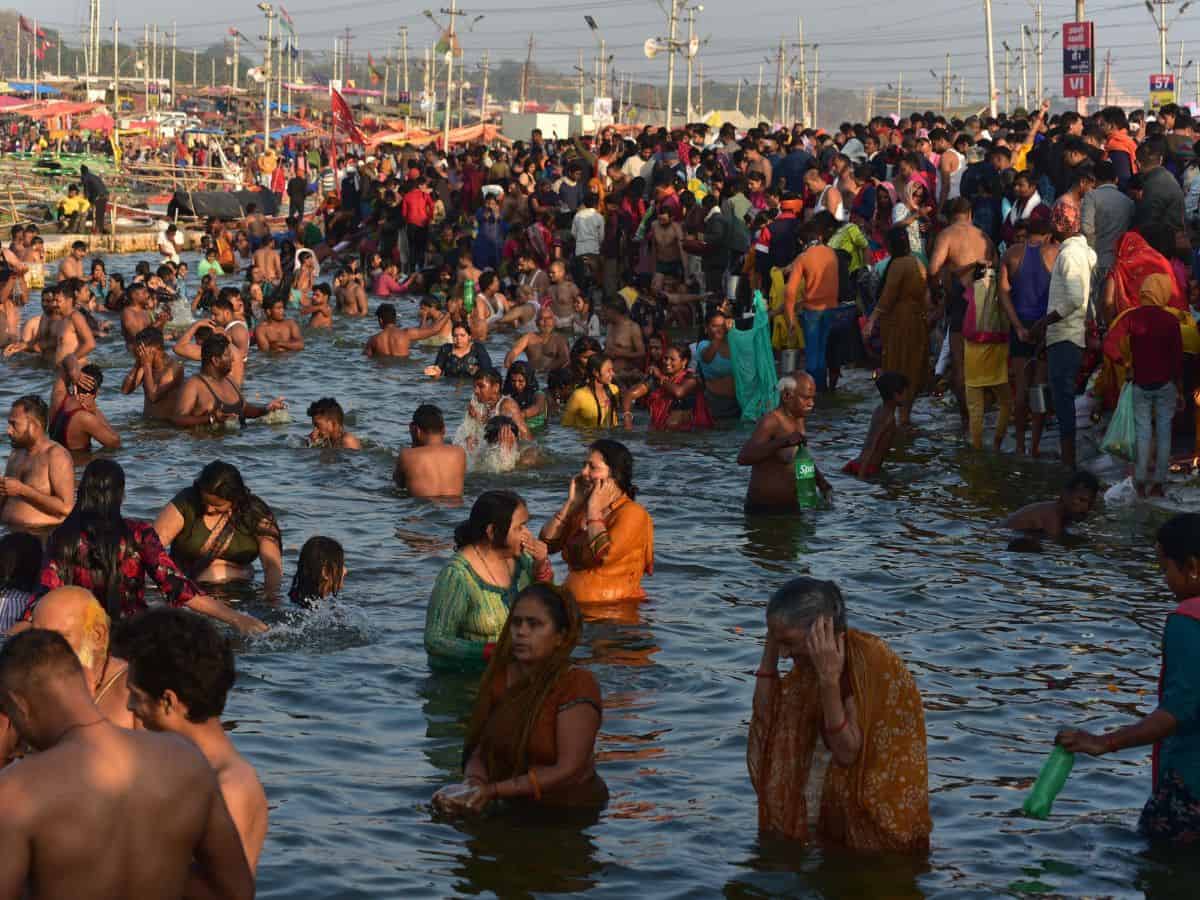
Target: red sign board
(1079, 59)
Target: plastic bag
(1121, 437)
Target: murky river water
(351, 733)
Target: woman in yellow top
(594, 405)
(606, 539)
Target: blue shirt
(1181, 698)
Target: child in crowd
(1050, 518)
(320, 572)
(881, 434)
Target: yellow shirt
(72, 205)
(268, 162)
(583, 411)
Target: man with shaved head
(102, 811)
(771, 449)
(77, 615)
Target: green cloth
(466, 613)
(1181, 698)
(754, 365)
(851, 241)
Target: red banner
(343, 119)
(1079, 59)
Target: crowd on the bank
(687, 281)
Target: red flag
(375, 76)
(343, 118)
(25, 26)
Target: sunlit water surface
(351, 734)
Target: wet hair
(93, 534)
(491, 376)
(1082, 480)
(898, 243)
(526, 397)
(20, 562)
(179, 651)
(486, 278)
(323, 288)
(329, 408)
(386, 313)
(493, 509)
(429, 419)
(320, 558)
(620, 463)
(149, 337)
(891, 385)
(271, 301)
(555, 600)
(222, 302)
(34, 406)
(36, 655)
(1179, 538)
(802, 600)
(251, 513)
(495, 425)
(594, 364)
(213, 347)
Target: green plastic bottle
(1050, 781)
(807, 496)
(469, 295)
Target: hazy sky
(857, 49)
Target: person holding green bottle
(784, 478)
(1172, 814)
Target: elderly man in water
(771, 449)
(77, 615)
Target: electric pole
(671, 48)
(269, 12)
(816, 82)
(525, 74)
(454, 13)
(690, 63)
(174, 39)
(991, 57)
(803, 72)
(483, 93)
(758, 96)
(777, 113)
(237, 36)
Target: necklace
(71, 728)
(488, 569)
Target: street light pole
(269, 12)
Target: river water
(351, 734)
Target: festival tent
(60, 110)
(97, 122)
(11, 104)
(26, 87)
(469, 134)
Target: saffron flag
(375, 76)
(344, 119)
(287, 20)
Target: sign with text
(1162, 89)
(1079, 59)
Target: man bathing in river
(63, 338)
(431, 467)
(329, 426)
(546, 350)
(392, 340)
(38, 487)
(212, 398)
(276, 333)
(159, 376)
(180, 673)
(102, 811)
(771, 449)
(1050, 518)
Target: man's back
(111, 813)
(432, 471)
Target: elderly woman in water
(837, 744)
(532, 736)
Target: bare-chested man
(1050, 518)
(107, 828)
(530, 276)
(72, 264)
(139, 313)
(160, 376)
(180, 672)
(955, 252)
(546, 350)
(431, 467)
(258, 230)
(666, 235)
(771, 449)
(276, 333)
(266, 260)
(392, 340)
(318, 310)
(224, 322)
(77, 615)
(211, 397)
(623, 343)
(38, 487)
(562, 294)
(63, 336)
(351, 294)
(12, 284)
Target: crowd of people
(682, 281)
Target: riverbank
(141, 240)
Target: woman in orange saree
(837, 745)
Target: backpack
(985, 321)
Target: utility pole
(1041, 36)
(1081, 102)
(525, 73)
(404, 53)
(454, 13)
(758, 96)
(269, 12)
(1179, 80)
(671, 48)
(1024, 72)
(816, 82)
(174, 45)
(991, 57)
(195, 63)
(116, 73)
(803, 72)
(737, 104)
(483, 93)
(1007, 60)
(946, 87)
(899, 96)
(581, 82)
(237, 55)
(146, 67)
(777, 113)
(701, 87)
(690, 63)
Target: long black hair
(527, 397)
(620, 464)
(95, 523)
(20, 562)
(250, 513)
(494, 509)
(320, 558)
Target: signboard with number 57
(1162, 89)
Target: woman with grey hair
(837, 744)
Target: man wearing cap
(1064, 324)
